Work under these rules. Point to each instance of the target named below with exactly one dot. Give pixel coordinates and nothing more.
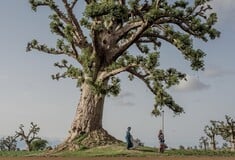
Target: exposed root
(88, 140)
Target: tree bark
(232, 143)
(213, 145)
(87, 124)
(89, 113)
(29, 146)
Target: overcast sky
(28, 94)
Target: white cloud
(214, 72)
(218, 72)
(192, 84)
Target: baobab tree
(211, 132)
(203, 142)
(100, 38)
(29, 136)
(227, 130)
(9, 143)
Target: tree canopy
(100, 40)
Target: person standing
(129, 138)
(161, 141)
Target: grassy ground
(119, 151)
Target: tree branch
(73, 3)
(125, 29)
(128, 42)
(117, 71)
(142, 77)
(34, 45)
(55, 8)
(80, 38)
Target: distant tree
(181, 147)
(39, 144)
(227, 130)
(203, 141)
(189, 148)
(99, 40)
(30, 136)
(9, 143)
(2, 146)
(211, 132)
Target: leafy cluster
(225, 129)
(106, 8)
(36, 3)
(39, 144)
(157, 80)
(115, 26)
(70, 72)
(8, 144)
(30, 138)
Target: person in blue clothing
(129, 138)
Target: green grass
(119, 151)
(199, 153)
(19, 153)
(110, 151)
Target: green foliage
(114, 86)
(180, 4)
(113, 28)
(106, 8)
(30, 136)
(8, 144)
(98, 87)
(225, 128)
(20, 153)
(62, 46)
(39, 144)
(55, 23)
(71, 72)
(85, 22)
(36, 3)
(68, 31)
(79, 139)
(194, 152)
(121, 151)
(87, 60)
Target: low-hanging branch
(43, 48)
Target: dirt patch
(122, 158)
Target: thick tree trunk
(87, 124)
(89, 113)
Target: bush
(39, 144)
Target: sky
(28, 94)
